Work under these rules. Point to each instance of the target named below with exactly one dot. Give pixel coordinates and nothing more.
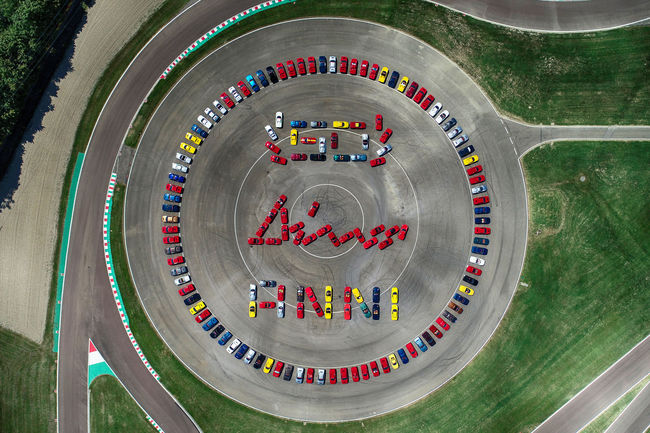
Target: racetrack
(440, 200)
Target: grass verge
(113, 410)
(585, 306)
(576, 78)
(605, 419)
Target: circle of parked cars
(172, 200)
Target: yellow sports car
(470, 160)
(294, 137)
(252, 309)
(341, 124)
(198, 307)
(328, 311)
(383, 74)
(194, 139)
(268, 365)
(403, 84)
(357, 295)
(394, 295)
(394, 312)
(328, 293)
(393, 361)
(466, 290)
(187, 148)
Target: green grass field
(583, 78)
(585, 306)
(601, 423)
(114, 410)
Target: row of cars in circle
(241, 350)
(329, 297)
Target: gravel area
(29, 193)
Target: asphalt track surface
(232, 184)
(555, 16)
(88, 309)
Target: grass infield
(584, 307)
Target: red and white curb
(216, 30)
(154, 424)
(112, 278)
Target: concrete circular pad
(232, 185)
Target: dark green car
(365, 310)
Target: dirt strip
(29, 193)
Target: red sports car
(354, 63)
(272, 147)
(278, 159)
(255, 241)
(285, 232)
(360, 237)
(363, 71)
(281, 289)
(332, 376)
(271, 215)
(474, 170)
(474, 270)
(310, 371)
(170, 229)
(411, 90)
(243, 88)
(364, 371)
(312, 65)
(420, 95)
(273, 241)
(379, 122)
(427, 102)
(174, 188)
(435, 331)
(298, 237)
(300, 310)
(284, 215)
(344, 375)
(373, 367)
(370, 242)
(482, 230)
(334, 139)
(262, 229)
(411, 349)
(308, 140)
(386, 243)
(477, 179)
(280, 201)
(292, 68)
(299, 157)
(171, 239)
(444, 325)
(324, 230)
(346, 237)
(386, 135)
(313, 209)
(334, 239)
(391, 231)
(343, 69)
(281, 72)
(357, 125)
(347, 295)
(309, 239)
(297, 226)
(317, 309)
(481, 200)
(310, 294)
(202, 316)
(301, 66)
(347, 312)
(402, 233)
(226, 99)
(380, 228)
(176, 260)
(373, 71)
(187, 289)
(354, 372)
(384, 365)
(267, 304)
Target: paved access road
(88, 308)
(555, 16)
(223, 204)
(608, 387)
